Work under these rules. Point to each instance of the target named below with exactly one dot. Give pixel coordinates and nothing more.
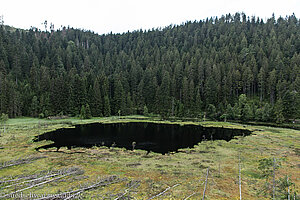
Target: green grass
(155, 171)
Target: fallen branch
(42, 183)
(74, 195)
(34, 176)
(135, 185)
(17, 178)
(103, 182)
(190, 196)
(32, 180)
(163, 191)
(19, 161)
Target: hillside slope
(186, 70)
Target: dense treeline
(233, 67)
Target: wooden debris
(132, 185)
(68, 172)
(240, 178)
(205, 183)
(164, 191)
(274, 182)
(19, 161)
(102, 182)
(190, 196)
(58, 117)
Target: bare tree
(51, 27)
(274, 184)
(1, 20)
(287, 181)
(163, 191)
(240, 178)
(45, 24)
(205, 183)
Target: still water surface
(156, 137)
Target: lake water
(156, 137)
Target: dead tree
(287, 181)
(205, 183)
(75, 193)
(240, 178)
(163, 191)
(132, 186)
(219, 169)
(274, 184)
(38, 184)
(190, 196)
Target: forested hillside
(233, 67)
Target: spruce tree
(97, 104)
(34, 107)
(119, 97)
(208, 62)
(278, 111)
(88, 114)
(129, 105)
(82, 112)
(106, 108)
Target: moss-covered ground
(153, 172)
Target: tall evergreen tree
(34, 106)
(106, 108)
(119, 97)
(97, 105)
(178, 70)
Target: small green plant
(41, 115)
(265, 167)
(285, 188)
(268, 168)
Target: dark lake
(156, 137)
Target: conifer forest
(235, 67)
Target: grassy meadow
(116, 173)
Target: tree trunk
(240, 178)
(219, 170)
(172, 107)
(205, 184)
(287, 181)
(274, 190)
